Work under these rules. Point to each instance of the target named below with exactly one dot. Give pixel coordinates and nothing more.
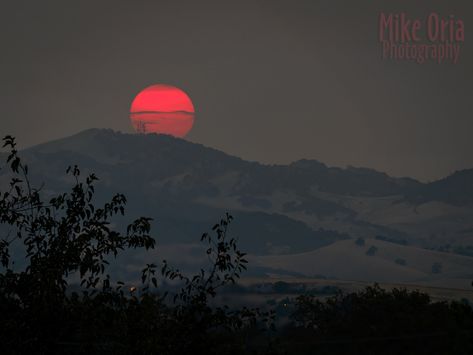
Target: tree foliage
(68, 240)
(375, 320)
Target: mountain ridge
(300, 163)
(282, 212)
(159, 170)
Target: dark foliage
(378, 321)
(392, 240)
(400, 261)
(436, 268)
(372, 250)
(68, 239)
(360, 242)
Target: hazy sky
(273, 81)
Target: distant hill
(279, 209)
(390, 263)
(456, 189)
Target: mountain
(292, 208)
(305, 209)
(168, 179)
(456, 189)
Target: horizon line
(157, 112)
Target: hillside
(305, 208)
(345, 260)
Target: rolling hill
(288, 215)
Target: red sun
(162, 109)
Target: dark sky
(273, 81)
